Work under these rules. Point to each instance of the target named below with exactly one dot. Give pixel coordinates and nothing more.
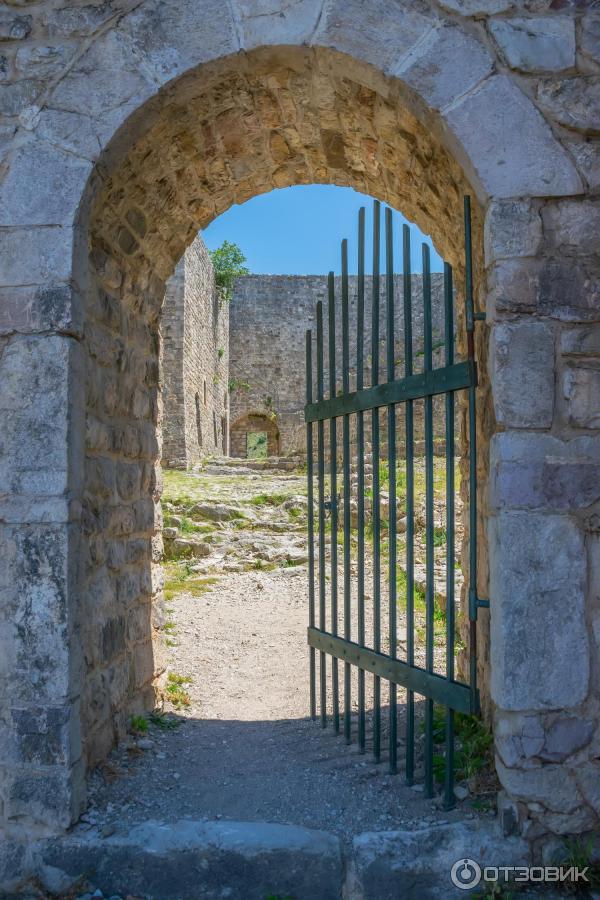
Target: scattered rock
(189, 548)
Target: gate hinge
(476, 603)
(479, 316)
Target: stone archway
(253, 423)
(169, 114)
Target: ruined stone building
(269, 316)
(195, 353)
(250, 352)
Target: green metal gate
(349, 643)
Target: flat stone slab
(417, 865)
(189, 860)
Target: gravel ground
(245, 748)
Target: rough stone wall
(251, 423)
(120, 603)
(131, 126)
(269, 316)
(173, 419)
(195, 362)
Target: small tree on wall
(228, 264)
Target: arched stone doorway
(170, 114)
(253, 424)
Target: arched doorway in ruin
(239, 126)
(254, 435)
(352, 99)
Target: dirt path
(245, 748)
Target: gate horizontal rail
(428, 384)
(327, 638)
(449, 693)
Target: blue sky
(297, 231)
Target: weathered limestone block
(562, 288)
(593, 549)
(176, 36)
(73, 131)
(569, 289)
(189, 548)
(522, 357)
(590, 35)
(536, 44)
(35, 663)
(527, 741)
(572, 226)
(564, 736)
(477, 7)
(17, 97)
(36, 432)
(14, 27)
(581, 387)
(279, 22)
(113, 98)
(548, 785)
(583, 340)
(381, 34)
(52, 798)
(35, 256)
(586, 153)
(513, 228)
(390, 864)
(446, 64)
(45, 736)
(518, 739)
(485, 123)
(514, 287)
(539, 638)
(41, 62)
(539, 471)
(588, 779)
(22, 202)
(76, 21)
(574, 102)
(40, 308)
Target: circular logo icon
(465, 874)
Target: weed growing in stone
(578, 853)
(473, 748)
(176, 691)
(160, 720)
(269, 499)
(139, 724)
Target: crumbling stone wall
(269, 316)
(125, 129)
(195, 362)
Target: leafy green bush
(228, 263)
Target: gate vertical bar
(470, 322)
(429, 510)
(450, 487)
(311, 529)
(346, 470)
(335, 684)
(376, 487)
(392, 536)
(360, 440)
(321, 519)
(410, 506)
